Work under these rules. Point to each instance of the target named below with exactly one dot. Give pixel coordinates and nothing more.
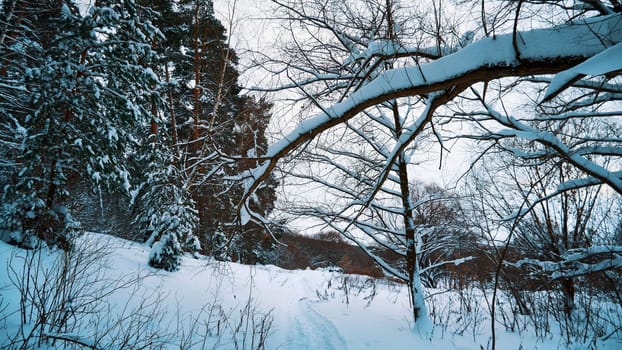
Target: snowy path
(309, 330)
(304, 328)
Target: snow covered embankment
(104, 296)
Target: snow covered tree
(445, 237)
(79, 88)
(556, 227)
(454, 71)
(215, 132)
(412, 231)
(347, 162)
(462, 64)
(165, 213)
(168, 216)
(562, 243)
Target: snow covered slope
(111, 299)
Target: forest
(447, 173)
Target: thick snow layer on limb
(390, 48)
(569, 42)
(605, 62)
(541, 51)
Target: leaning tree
(463, 63)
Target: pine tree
(209, 122)
(167, 214)
(81, 88)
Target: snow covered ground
(113, 300)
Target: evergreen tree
(80, 87)
(211, 124)
(167, 214)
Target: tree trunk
(412, 264)
(568, 291)
(197, 79)
(171, 107)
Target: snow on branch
(543, 51)
(605, 62)
(596, 172)
(578, 262)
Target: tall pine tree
(210, 124)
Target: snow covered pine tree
(213, 131)
(73, 94)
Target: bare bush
(63, 302)
(240, 327)
(346, 287)
(68, 299)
